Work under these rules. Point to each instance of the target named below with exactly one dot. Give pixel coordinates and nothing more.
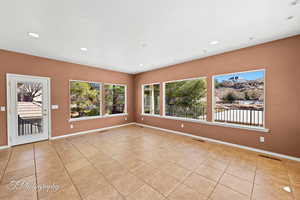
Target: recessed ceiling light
(34, 35)
(83, 49)
(144, 45)
(289, 17)
(295, 2)
(141, 65)
(214, 42)
(287, 189)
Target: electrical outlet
(125, 118)
(71, 126)
(142, 119)
(3, 108)
(54, 107)
(261, 139)
(182, 125)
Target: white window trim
(85, 118)
(125, 108)
(251, 128)
(237, 125)
(142, 87)
(164, 100)
(97, 117)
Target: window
(186, 99)
(151, 99)
(239, 98)
(85, 99)
(115, 99)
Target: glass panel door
(28, 103)
(29, 108)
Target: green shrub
(230, 97)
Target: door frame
(9, 99)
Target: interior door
(28, 108)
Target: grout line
(291, 186)
(253, 181)
(35, 173)
(96, 168)
(218, 182)
(6, 165)
(130, 173)
(67, 172)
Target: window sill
(115, 115)
(151, 115)
(179, 118)
(84, 118)
(97, 117)
(251, 128)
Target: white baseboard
(4, 147)
(90, 131)
(225, 143)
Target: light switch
(3, 108)
(54, 107)
(262, 139)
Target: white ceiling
(138, 35)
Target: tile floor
(135, 163)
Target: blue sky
(246, 75)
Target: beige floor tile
(64, 194)
(218, 164)
(296, 192)
(163, 183)
(17, 175)
(224, 193)
(105, 193)
(14, 165)
(17, 190)
(76, 165)
(175, 171)
(210, 172)
(145, 172)
(60, 178)
(241, 173)
(270, 192)
(127, 184)
(191, 163)
(237, 184)
(183, 192)
(88, 180)
(145, 163)
(200, 184)
(145, 193)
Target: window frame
(213, 103)
(143, 111)
(125, 96)
(100, 97)
(182, 118)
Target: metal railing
(251, 117)
(117, 109)
(29, 126)
(191, 112)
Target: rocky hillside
(239, 91)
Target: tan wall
(60, 74)
(281, 59)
